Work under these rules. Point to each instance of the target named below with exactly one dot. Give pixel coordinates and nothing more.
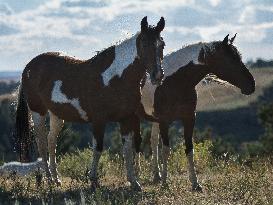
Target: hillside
(229, 113)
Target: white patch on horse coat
(166, 154)
(56, 125)
(128, 156)
(154, 142)
(158, 45)
(125, 54)
(59, 97)
(171, 63)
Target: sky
(82, 27)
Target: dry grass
(224, 182)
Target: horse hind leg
(154, 146)
(40, 136)
(98, 130)
(56, 125)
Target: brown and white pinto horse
(176, 97)
(102, 89)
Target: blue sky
(82, 27)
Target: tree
(265, 114)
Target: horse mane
(183, 47)
(99, 53)
(106, 49)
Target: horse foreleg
(164, 128)
(56, 125)
(137, 143)
(128, 156)
(154, 147)
(40, 136)
(127, 136)
(188, 132)
(98, 130)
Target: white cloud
(5, 9)
(215, 2)
(81, 27)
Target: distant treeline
(8, 87)
(260, 63)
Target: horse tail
(22, 134)
(140, 112)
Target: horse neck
(192, 75)
(199, 74)
(136, 73)
(175, 60)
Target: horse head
(224, 60)
(150, 47)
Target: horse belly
(67, 112)
(173, 112)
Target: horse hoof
(94, 184)
(197, 188)
(157, 178)
(165, 185)
(136, 186)
(50, 181)
(58, 182)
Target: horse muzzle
(249, 90)
(156, 77)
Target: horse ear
(225, 41)
(160, 25)
(232, 39)
(201, 56)
(144, 24)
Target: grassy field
(224, 181)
